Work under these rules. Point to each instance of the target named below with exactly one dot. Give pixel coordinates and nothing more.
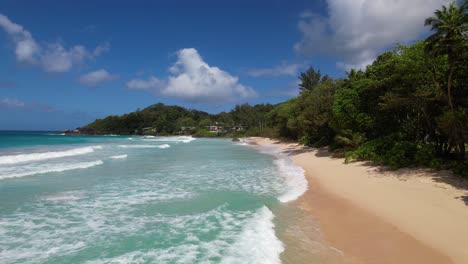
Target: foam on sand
(296, 182)
(28, 170)
(19, 158)
(294, 177)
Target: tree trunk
(449, 88)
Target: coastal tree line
(409, 107)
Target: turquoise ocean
(134, 199)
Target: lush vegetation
(409, 107)
(163, 119)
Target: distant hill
(164, 119)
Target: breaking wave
(19, 158)
(28, 170)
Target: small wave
(144, 146)
(184, 139)
(294, 177)
(257, 242)
(119, 156)
(14, 172)
(65, 196)
(296, 183)
(13, 159)
(163, 146)
(55, 134)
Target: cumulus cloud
(193, 80)
(355, 31)
(51, 57)
(11, 103)
(280, 70)
(95, 78)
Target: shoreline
(373, 215)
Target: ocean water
(131, 199)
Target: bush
(402, 154)
(372, 150)
(387, 152)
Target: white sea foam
(296, 182)
(145, 146)
(294, 176)
(55, 134)
(33, 169)
(257, 242)
(124, 156)
(184, 139)
(19, 158)
(65, 196)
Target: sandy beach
(374, 215)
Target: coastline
(373, 215)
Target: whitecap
(144, 146)
(124, 156)
(184, 139)
(65, 196)
(13, 159)
(33, 169)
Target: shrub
(402, 154)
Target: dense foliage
(163, 119)
(409, 107)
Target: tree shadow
(464, 199)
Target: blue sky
(65, 63)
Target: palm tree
(451, 26)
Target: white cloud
(355, 31)
(11, 103)
(95, 78)
(151, 83)
(100, 49)
(280, 70)
(193, 80)
(51, 57)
